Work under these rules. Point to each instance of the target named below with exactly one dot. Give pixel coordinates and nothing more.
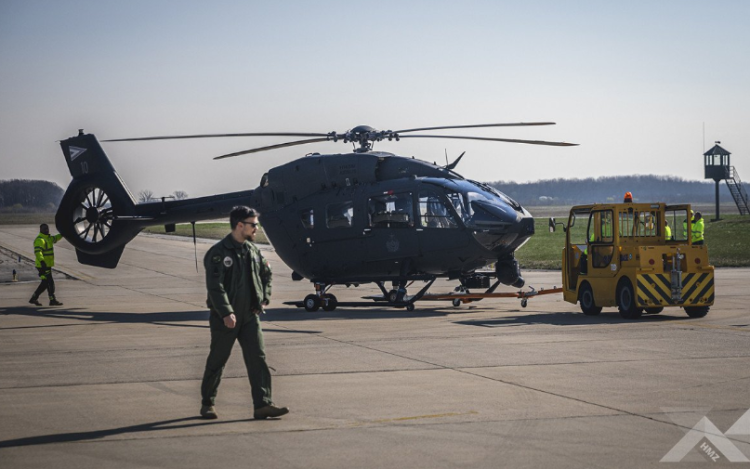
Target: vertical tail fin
(93, 210)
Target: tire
(311, 303)
(396, 296)
(586, 299)
(656, 310)
(524, 303)
(626, 301)
(696, 311)
(329, 302)
(456, 303)
(410, 307)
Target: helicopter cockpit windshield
(480, 205)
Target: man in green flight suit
(238, 280)
(44, 255)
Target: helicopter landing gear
(312, 303)
(329, 302)
(320, 299)
(396, 296)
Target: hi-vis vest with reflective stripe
(697, 230)
(43, 249)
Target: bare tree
(180, 195)
(145, 196)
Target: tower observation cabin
(717, 167)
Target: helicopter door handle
(367, 231)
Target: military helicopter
(337, 219)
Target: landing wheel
(586, 298)
(329, 302)
(696, 311)
(312, 303)
(394, 296)
(626, 300)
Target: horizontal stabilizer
(107, 260)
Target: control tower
(716, 161)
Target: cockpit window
(434, 213)
(459, 204)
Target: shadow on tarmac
(568, 319)
(299, 314)
(173, 318)
(162, 319)
(186, 422)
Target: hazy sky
(633, 82)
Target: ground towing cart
(624, 255)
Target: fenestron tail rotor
(363, 135)
(92, 218)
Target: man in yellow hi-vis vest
(44, 254)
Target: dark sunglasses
(254, 225)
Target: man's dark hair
(239, 214)
(42, 226)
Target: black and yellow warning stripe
(656, 289)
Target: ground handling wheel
(311, 303)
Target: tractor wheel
(586, 298)
(626, 301)
(696, 311)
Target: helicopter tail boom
(98, 214)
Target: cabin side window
(307, 217)
(677, 221)
(434, 213)
(340, 215)
(391, 211)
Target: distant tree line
(647, 188)
(147, 195)
(26, 194)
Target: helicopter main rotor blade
(512, 140)
(273, 147)
(515, 124)
(178, 137)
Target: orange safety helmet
(628, 197)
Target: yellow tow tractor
(636, 256)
